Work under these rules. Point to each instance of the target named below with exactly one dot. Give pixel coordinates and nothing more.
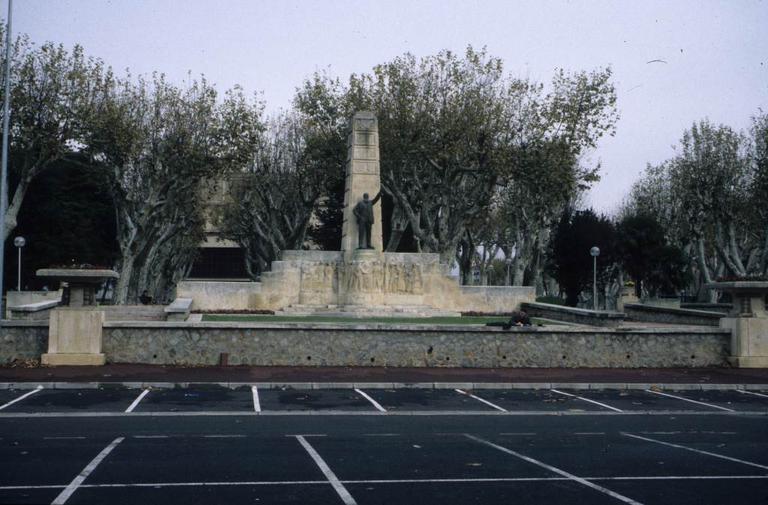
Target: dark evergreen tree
(570, 262)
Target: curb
(384, 385)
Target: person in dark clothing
(519, 318)
(145, 299)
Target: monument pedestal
(74, 332)
(74, 337)
(747, 322)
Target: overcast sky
(715, 53)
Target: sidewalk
(118, 373)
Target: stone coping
(180, 305)
(755, 286)
(36, 306)
(587, 313)
(454, 328)
(78, 275)
(425, 328)
(504, 288)
(672, 310)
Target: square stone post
(74, 332)
(747, 322)
(362, 176)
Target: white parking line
(373, 402)
(72, 487)
(38, 388)
(337, 485)
(745, 392)
(461, 391)
(713, 454)
(586, 400)
(689, 400)
(137, 400)
(558, 471)
(256, 402)
(387, 481)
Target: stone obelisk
(362, 176)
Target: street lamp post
(19, 242)
(594, 252)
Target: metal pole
(18, 277)
(594, 281)
(4, 169)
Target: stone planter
(74, 331)
(747, 321)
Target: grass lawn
(251, 318)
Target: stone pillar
(74, 337)
(362, 176)
(747, 322)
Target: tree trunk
(704, 268)
(12, 212)
(399, 223)
(122, 286)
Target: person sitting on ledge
(145, 299)
(519, 318)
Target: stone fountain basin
(78, 275)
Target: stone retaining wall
(669, 315)
(388, 345)
(216, 295)
(20, 340)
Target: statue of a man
(363, 212)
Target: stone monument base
(57, 359)
(369, 284)
(74, 337)
(749, 341)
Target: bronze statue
(363, 212)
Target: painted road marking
(137, 400)
(373, 402)
(38, 388)
(335, 482)
(699, 451)
(72, 487)
(63, 438)
(461, 391)
(256, 402)
(745, 392)
(388, 481)
(558, 471)
(586, 400)
(405, 413)
(689, 400)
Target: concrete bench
(179, 309)
(37, 311)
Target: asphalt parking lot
(211, 444)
